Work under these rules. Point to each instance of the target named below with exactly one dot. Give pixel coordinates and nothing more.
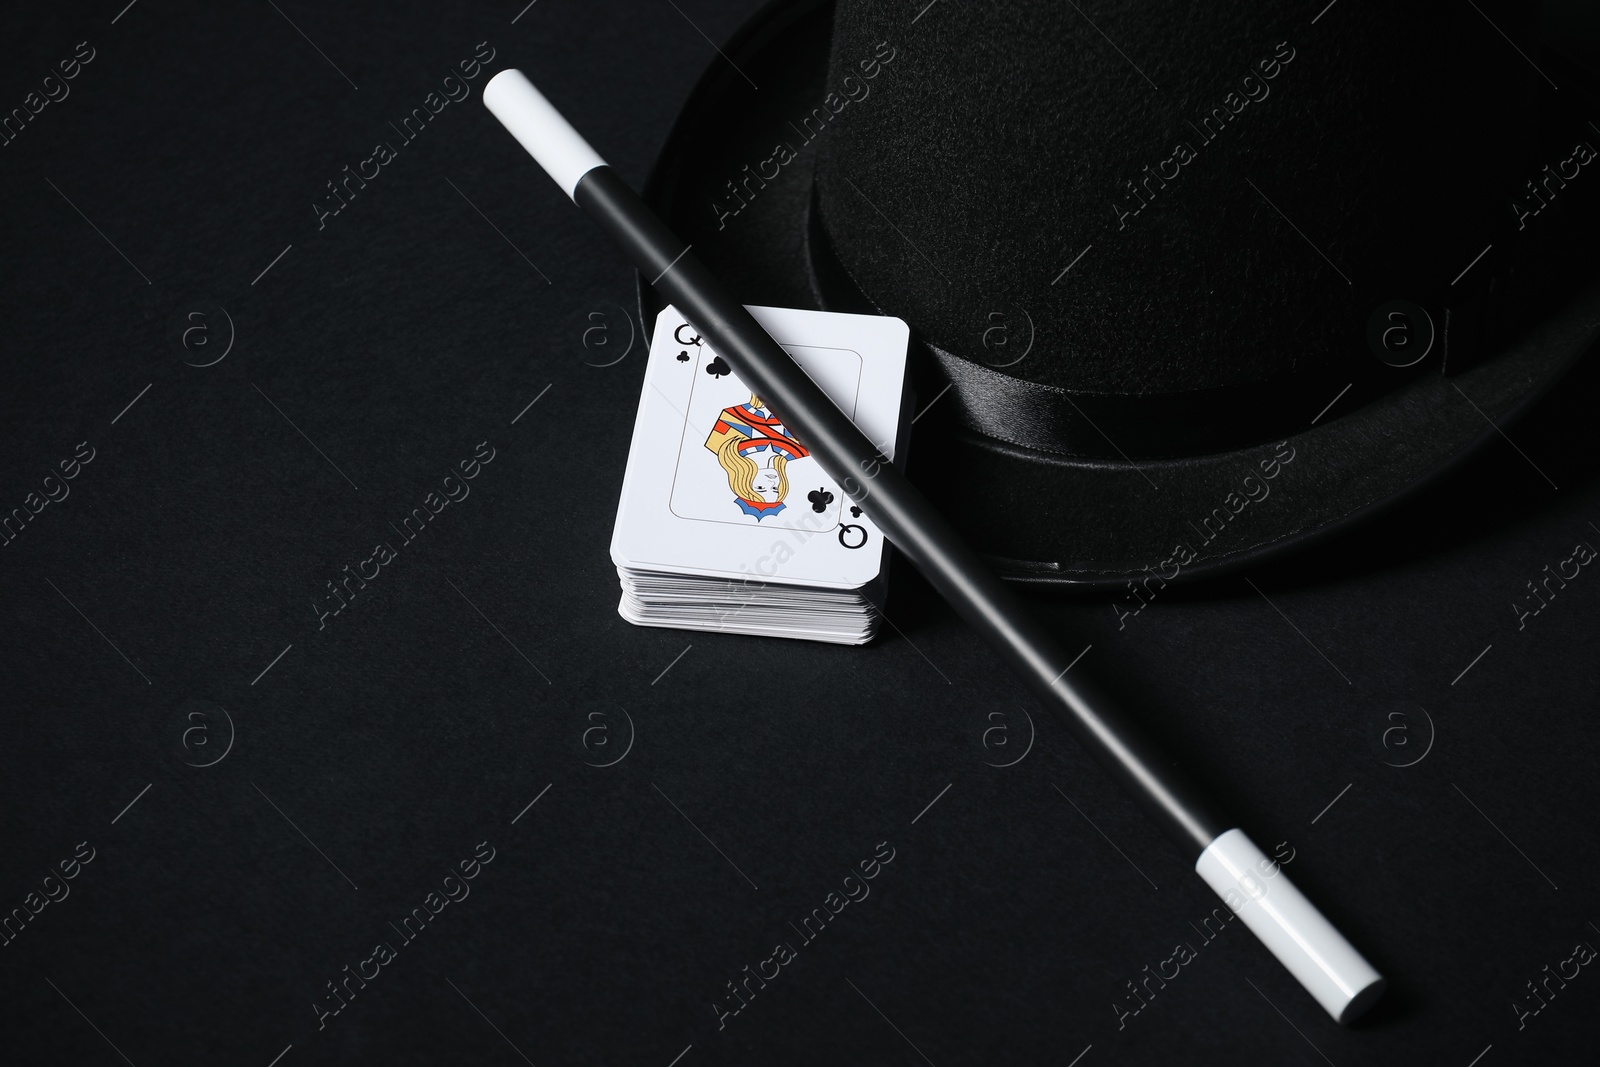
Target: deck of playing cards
(727, 522)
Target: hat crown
(1170, 199)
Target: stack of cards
(727, 522)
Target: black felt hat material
(1187, 287)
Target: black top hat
(1189, 286)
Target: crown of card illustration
(755, 448)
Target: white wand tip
(542, 130)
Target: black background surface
(371, 755)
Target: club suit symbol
(208, 733)
(755, 449)
(597, 740)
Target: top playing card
(717, 484)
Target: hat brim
(1051, 519)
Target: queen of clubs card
(754, 449)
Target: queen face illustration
(766, 483)
(754, 448)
